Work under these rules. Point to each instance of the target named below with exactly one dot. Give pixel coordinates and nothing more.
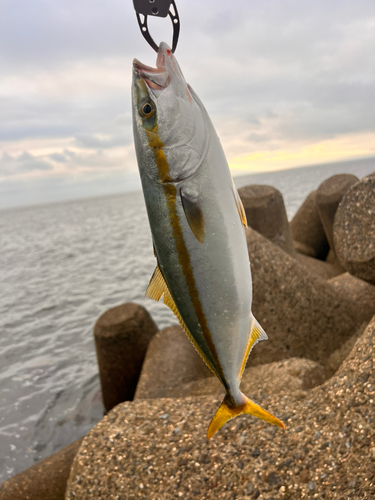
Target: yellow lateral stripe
(160, 159)
(185, 262)
(170, 192)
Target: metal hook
(158, 8)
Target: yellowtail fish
(197, 223)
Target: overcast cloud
(286, 83)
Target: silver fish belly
(197, 224)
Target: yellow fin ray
(156, 289)
(239, 205)
(225, 413)
(157, 286)
(257, 334)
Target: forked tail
(226, 412)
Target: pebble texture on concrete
(327, 199)
(360, 293)
(170, 362)
(301, 313)
(265, 212)
(122, 335)
(307, 230)
(157, 449)
(354, 230)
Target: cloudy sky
(286, 83)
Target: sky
(286, 83)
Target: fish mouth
(156, 78)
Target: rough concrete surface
(157, 449)
(301, 313)
(307, 230)
(360, 293)
(122, 335)
(327, 199)
(171, 361)
(265, 212)
(332, 259)
(354, 230)
(319, 267)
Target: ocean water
(62, 265)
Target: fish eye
(147, 109)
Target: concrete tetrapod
(158, 449)
(301, 313)
(354, 230)
(307, 230)
(170, 362)
(319, 267)
(122, 335)
(360, 293)
(265, 212)
(327, 199)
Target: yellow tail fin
(225, 413)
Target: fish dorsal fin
(194, 214)
(239, 205)
(256, 335)
(156, 289)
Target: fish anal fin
(225, 412)
(157, 286)
(156, 289)
(168, 300)
(256, 335)
(194, 215)
(239, 205)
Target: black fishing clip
(157, 8)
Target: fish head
(169, 121)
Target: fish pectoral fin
(194, 214)
(157, 286)
(256, 335)
(225, 412)
(155, 291)
(239, 205)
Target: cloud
(78, 164)
(25, 163)
(276, 78)
(58, 157)
(93, 141)
(42, 33)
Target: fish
(198, 226)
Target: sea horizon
(237, 175)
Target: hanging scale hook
(157, 8)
